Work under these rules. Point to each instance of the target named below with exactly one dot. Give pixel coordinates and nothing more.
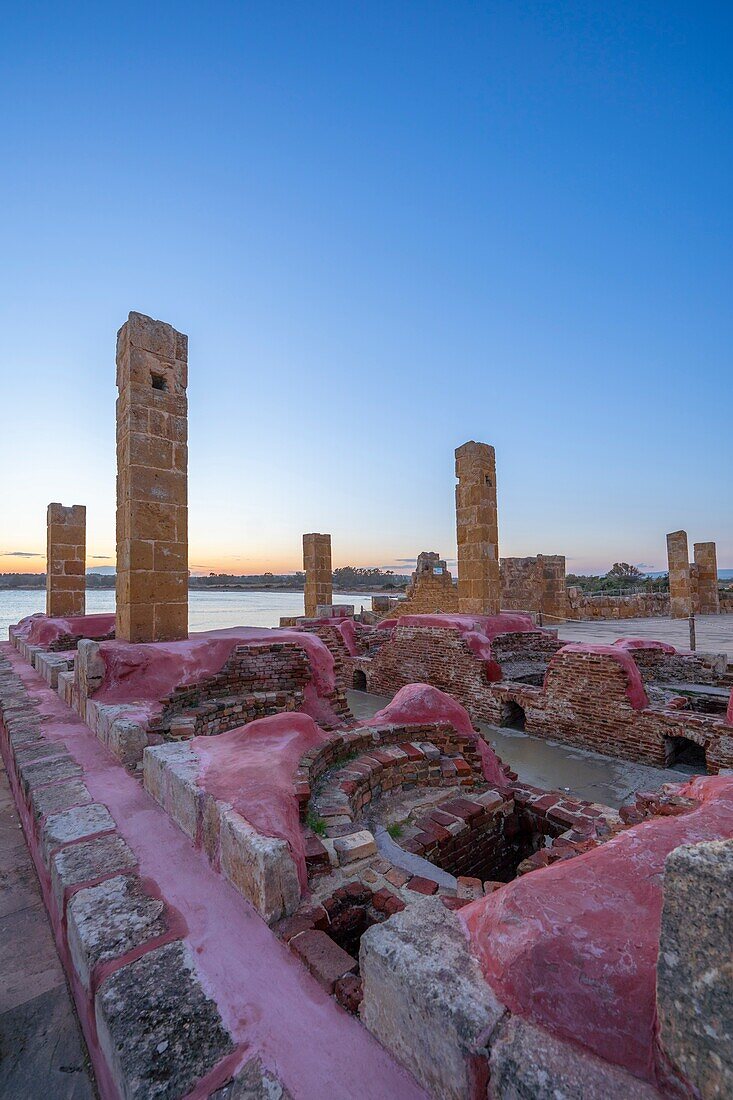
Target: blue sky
(387, 229)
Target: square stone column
(678, 557)
(66, 549)
(706, 560)
(152, 482)
(479, 584)
(318, 572)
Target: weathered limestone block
(426, 1000)
(355, 846)
(58, 797)
(88, 673)
(152, 482)
(106, 921)
(260, 867)
(527, 1061)
(253, 1082)
(169, 775)
(479, 583)
(695, 966)
(65, 560)
(88, 862)
(72, 825)
(39, 773)
(318, 574)
(158, 1030)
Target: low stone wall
(637, 606)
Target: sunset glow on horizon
(386, 231)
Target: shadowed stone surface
(253, 1082)
(695, 965)
(159, 1031)
(527, 1063)
(426, 1000)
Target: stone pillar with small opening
(66, 540)
(479, 583)
(680, 593)
(706, 560)
(152, 475)
(318, 572)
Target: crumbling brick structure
(535, 584)
(479, 583)
(431, 588)
(706, 561)
(680, 595)
(66, 541)
(152, 464)
(318, 573)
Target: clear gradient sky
(387, 229)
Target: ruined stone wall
(680, 594)
(534, 584)
(706, 561)
(479, 583)
(640, 605)
(318, 572)
(66, 540)
(152, 464)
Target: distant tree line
(621, 576)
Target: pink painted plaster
(40, 630)
(573, 946)
(136, 673)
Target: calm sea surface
(206, 610)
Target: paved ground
(42, 1054)
(714, 633)
(553, 765)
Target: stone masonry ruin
(256, 894)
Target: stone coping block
(253, 1082)
(39, 773)
(88, 863)
(695, 966)
(59, 796)
(260, 867)
(106, 921)
(426, 1000)
(527, 1061)
(355, 846)
(78, 823)
(157, 1029)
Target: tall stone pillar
(318, 573)
(678, 558)
(66, 549)
(152, 476)
(479, 584)
(706, 560)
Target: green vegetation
(395, 830)
(621, 578)
(315, 822)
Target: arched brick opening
(686, 755)
(359, 682)
(513, 716)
